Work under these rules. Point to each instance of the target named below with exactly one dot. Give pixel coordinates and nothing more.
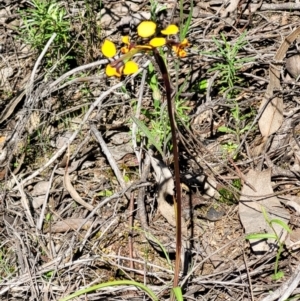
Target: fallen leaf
(40, 188)
(68, 224)
(272, 107)
(250, 210)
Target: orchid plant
(151, 39)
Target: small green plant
(228, 67)
(229, 148)
(158, 131)
(227, 196)
(230, 63)
(6, 268)
(106, 193)
(155, 8)
(277, 273)
(184, 25)
(153, 83)
(48, 217)
(240, 122)
(48, 275)
(39, 24)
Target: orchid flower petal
(125, 40)
(108, 49)
(171, 29)
(130, 68)
(146, 29)
(158, 42)
(111, 71)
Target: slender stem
(177, 200)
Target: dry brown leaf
(292, 65)
(40, 188)
(272, 116)
(230, 8)
(69, 224)
(250, 209)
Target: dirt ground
(86, 190)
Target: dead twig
(248, 275)
(140, 199)
(112, 162)
(74, 194)
(42, 215)
(130, 222)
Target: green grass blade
(265, 214)
(112, 283)
(260, 236)
(148, 134)
(184, 29)
(160, 245)
(281, 223)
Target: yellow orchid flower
(124, 65)
(179, 49)
(146, 29)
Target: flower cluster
(146, 29)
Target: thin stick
(42, 215)
(31, 80)
(249, 277)
(112, 162)
(130, 237)
(137, 115)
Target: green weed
(229, 197)
(228, 66)
(239, 123)
(277, 273)
(158, 131)
(39, 24)
(6, 268)
(155, 8)
(229, 62)
(184, 24)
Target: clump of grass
(40, 22)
